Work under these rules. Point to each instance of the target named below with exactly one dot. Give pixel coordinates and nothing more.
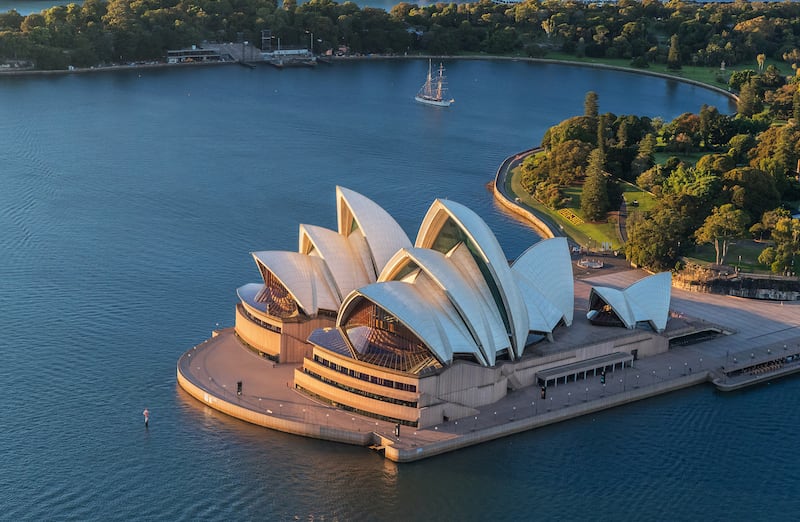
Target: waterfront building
(195, 54)
(415, 334)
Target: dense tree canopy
(677, 33)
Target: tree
(590, 105)
(768, 221)
(549, 26)
(739, 145)
(750, 189)
(761, 59)
(786, 235)
(653, 241)
(601, 133)
(575, 128)
(723, 225)
(674, 55)
(566, 161)
(796, 106)
(594, 198)
(749, 103)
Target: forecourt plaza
(361, 337)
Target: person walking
(146, 414)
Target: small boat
(434, 90)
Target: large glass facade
(381, 339)
(279, 301)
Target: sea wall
(543, 226)
(266, 420)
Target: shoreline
(334, 59)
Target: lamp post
(587, 394)
(310, 42)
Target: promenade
(755, 330)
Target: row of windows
(365, 376)
(382, 398)
(356, 410)
(259, 322)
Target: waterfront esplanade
(412, 334)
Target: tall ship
(434, 90)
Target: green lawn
(633, 193)
(587, 234)
(747, 249)
(703, 74)
(592, 235)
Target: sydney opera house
(417, 333)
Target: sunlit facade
(380, 324)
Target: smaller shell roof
(304, 277)
(645, 300)
(649, 299)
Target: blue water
(129, 203)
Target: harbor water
(129, 204)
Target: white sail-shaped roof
(484, 244)
(543, 316)
(454, 289)
(649, 299)
(465, 263)
(422, 311)
(546, 266)
(645, 300)
(306, 278)
(482, 321)
(383, 235)
(343, 260)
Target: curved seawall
(502, 195)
